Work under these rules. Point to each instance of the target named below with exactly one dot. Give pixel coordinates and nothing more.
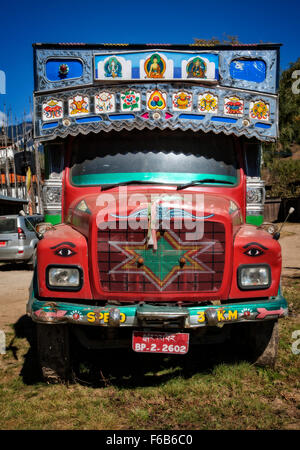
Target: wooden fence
(276, 209)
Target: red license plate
(160, 342)
(2, 243)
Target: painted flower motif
(156, 100)
(259, 110)
(182, 101)
(52, 110)
(63, 70)
(246, 313)
(76, 315)
(131, 100)
(79, 105)
(104, 102)
(208, 103)
(233, 105)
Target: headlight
(254, 277)
(66, 278)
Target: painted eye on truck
(253, 252)
(65, 252)
(63, 249)
(254, 249)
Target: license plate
(160, 342)
(2, 243)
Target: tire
(53, 353)
(263, 340)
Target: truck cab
(154, 193)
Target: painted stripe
(162, 177)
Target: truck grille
(127, 264)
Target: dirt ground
(15, 279)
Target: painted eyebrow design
(255, 243)
(63, 243)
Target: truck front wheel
(263, 340)
(257, 342)
(53, 352)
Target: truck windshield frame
(172, 157)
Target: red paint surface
(82, 230)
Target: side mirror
(38, 235)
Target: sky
(96, 21)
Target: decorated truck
(157, 239)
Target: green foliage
(284, 175)
(289, 106)
(284, 178)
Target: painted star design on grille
(162, 266)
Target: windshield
(8, 225)
(157, 156)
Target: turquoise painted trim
(258, 311)
(163, 177)
(273, 304)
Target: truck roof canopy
(83, 88)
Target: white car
(18, 239)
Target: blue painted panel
(53, 65)
(191, 116)
(89, 119)
(136, 72)
(249, 70)
(122, 117)
(177, 72)
(262, 125)
(50, 125)
(223, 119)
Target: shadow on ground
(25, 328)
(7, 267)
(123, 367)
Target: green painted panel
(53, 218)
(255, 220)
(163, 260)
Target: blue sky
(95, 21)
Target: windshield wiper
(205, 180)
(126, 183)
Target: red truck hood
(137, 247)
(122, 206)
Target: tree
(289, 108)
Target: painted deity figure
(155, 66)
(113, 68)
(196, 68)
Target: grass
(190, 392)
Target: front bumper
(151, 316)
